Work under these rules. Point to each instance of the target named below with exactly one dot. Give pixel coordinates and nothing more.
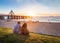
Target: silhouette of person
(24, 30)
(17, 27)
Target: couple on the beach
(18, 29)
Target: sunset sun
(30, 14)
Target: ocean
(46, 18)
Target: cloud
(36, 7)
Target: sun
(31, 14)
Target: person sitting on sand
(17, 27)
(24, 30)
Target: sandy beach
(49, 28)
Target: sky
(30, 6)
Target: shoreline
(48, 28)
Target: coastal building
(11, 16)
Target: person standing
(17, 28)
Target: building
(11, 16)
